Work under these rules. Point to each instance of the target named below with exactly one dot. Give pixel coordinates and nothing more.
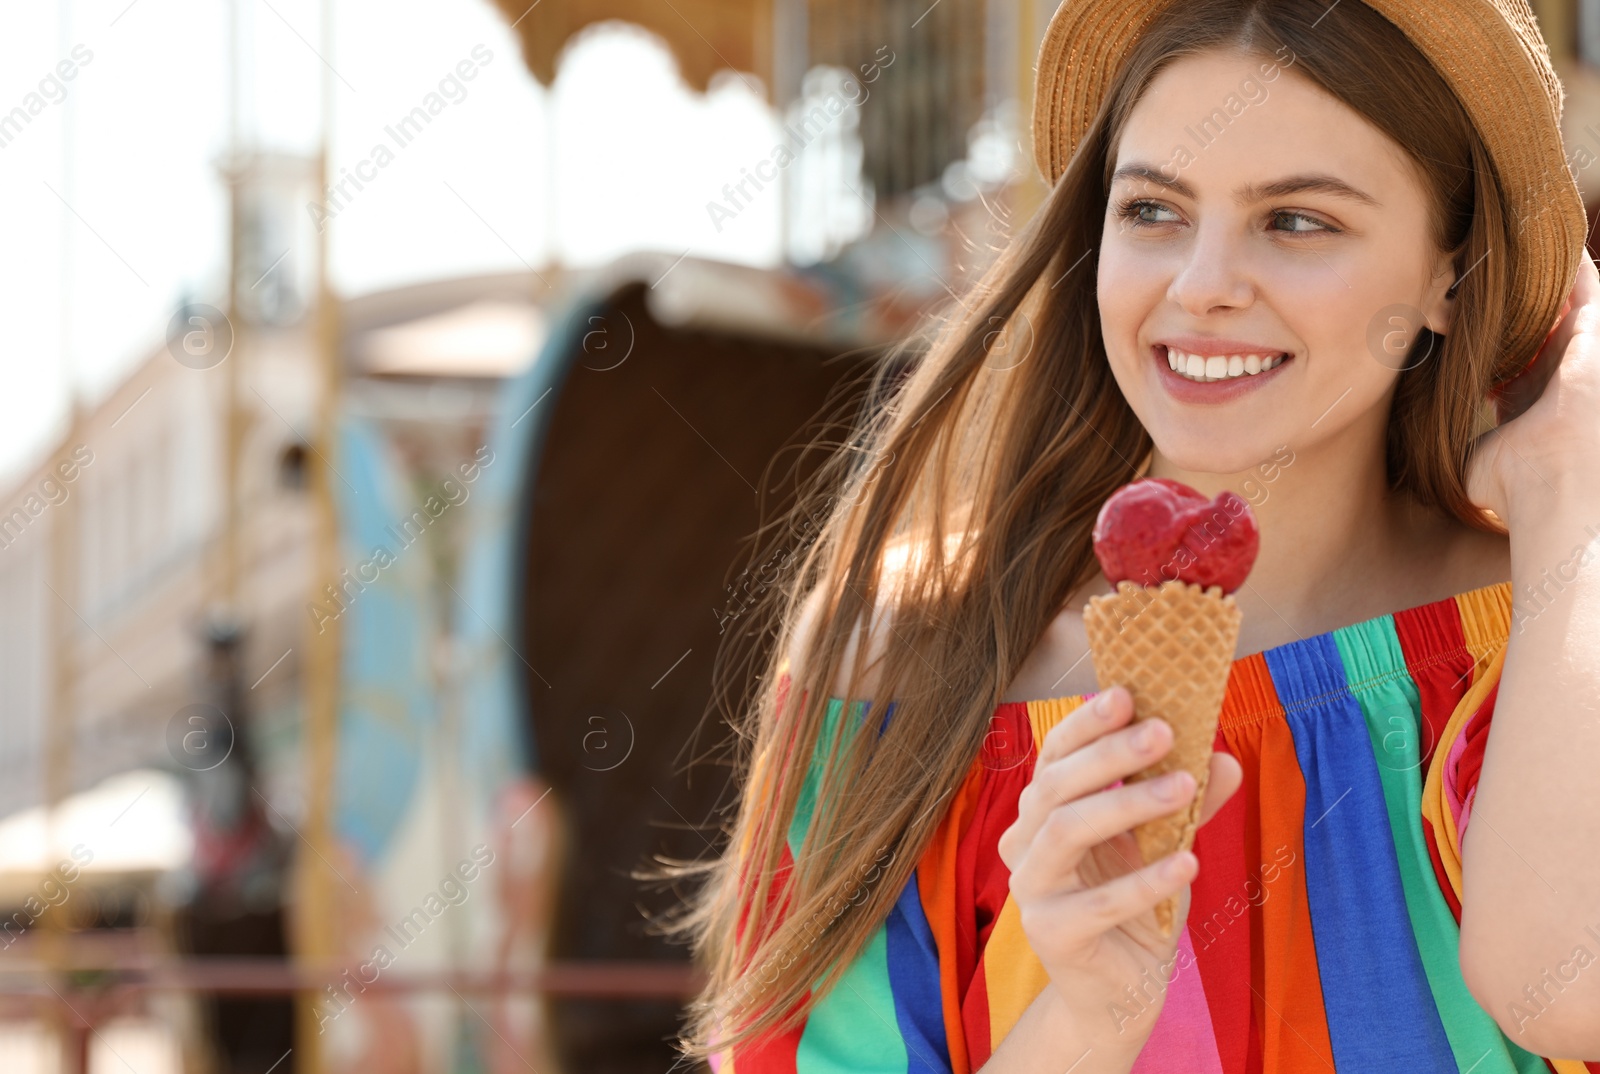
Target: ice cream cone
(1171, 647)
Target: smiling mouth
(1212, 369)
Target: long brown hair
(985, 470)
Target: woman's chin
(1214, 454)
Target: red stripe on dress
(1470, 763)
(1223, 959)
(1221, 946)
(1438, 869)
(995, 811)
(770, 1054)
(1434, 642)
(975, 1016)
(1004, 765)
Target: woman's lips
(1220, 391)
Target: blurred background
(393, 390)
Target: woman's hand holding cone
(1086, 899)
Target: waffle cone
(1171, 647)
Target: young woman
(1292, 249)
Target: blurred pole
(314, 925)
(1028, 189)
(790, 35)
(59, 735)
(223, 614)
(63, 552)
(225, 591)
(1557, 22)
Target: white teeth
(1219, 367)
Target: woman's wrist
(1546, 489)
(1054, 1035)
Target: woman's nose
(1213, 274)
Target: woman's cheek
(1123, 292)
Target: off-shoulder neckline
(1279, 649)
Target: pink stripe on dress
(1466, 815)
(1182, 1038)
(1452, 763)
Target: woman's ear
(1440, 299)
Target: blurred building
(144, 471)
(124, 659)
(1572, 28)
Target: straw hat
(1489, 51)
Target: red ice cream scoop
(1156, 529)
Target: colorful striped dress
(1324, 922)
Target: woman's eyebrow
(1293, 184)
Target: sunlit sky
(115, 208)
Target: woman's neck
(1336, 546)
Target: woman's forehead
(1220, 125)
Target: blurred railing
(80, 994)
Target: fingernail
(1178, 864)
(1171, 785)
(1146, 736)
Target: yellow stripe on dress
(1485, 617)
(1022, 975)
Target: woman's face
(1252, 213)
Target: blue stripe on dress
(914, 979)
(1381, 1014)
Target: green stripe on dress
(807, 802)
(853, 1029)
(1374, 665)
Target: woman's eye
(1301, 219)
(1141, 213)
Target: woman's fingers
(1074, 791)
(1105, 711)
(1518, 394)
(1103, 761)
(1070, 830)
(1074, 918)
(1226, 776)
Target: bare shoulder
(1059, 665)
(1479, 559)
(1451, 557)
(805, 627)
